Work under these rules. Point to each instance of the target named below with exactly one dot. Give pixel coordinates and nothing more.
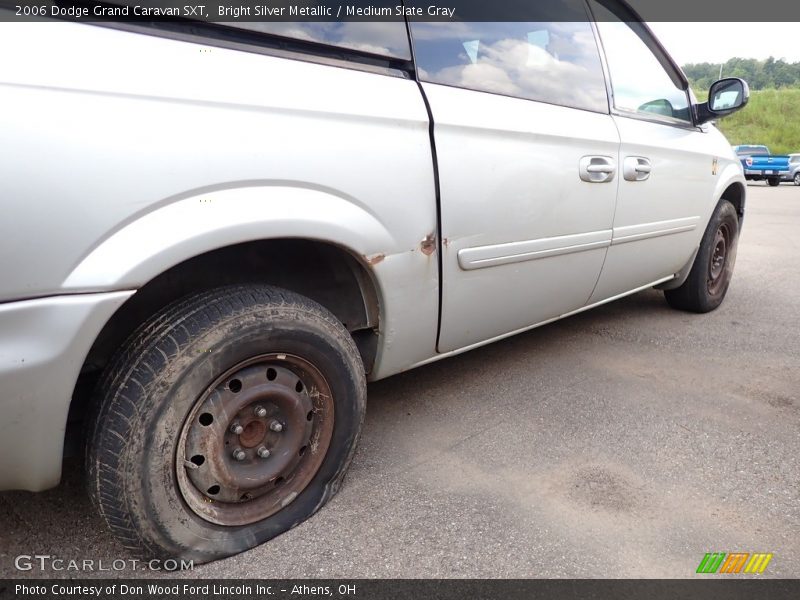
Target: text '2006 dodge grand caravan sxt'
(215, 234)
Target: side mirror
(725, 96)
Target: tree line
(759, 74)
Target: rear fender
(189, 226)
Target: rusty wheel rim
(719, 259)
(254, 439)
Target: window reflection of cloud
(447, 31)
(384, 38)
(379, 37)
(433, 31)
(517, 68)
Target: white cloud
(717, 42)
(517, 68)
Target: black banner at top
(233, 11)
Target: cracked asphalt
(627, 441)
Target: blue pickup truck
(759, 164)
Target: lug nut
(260, 411)
(263, 452)
(237, 428)
(276, 426)
(239, 454)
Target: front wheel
(227, 419)
(773, 181)
(708, 281)
(796, 178)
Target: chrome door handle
(636, 168)
(597, 169)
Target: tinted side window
(554, 62)
(639, 81)
(384, 38)
(751, 150)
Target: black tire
(147, 400)
(773, 182)
(796, 178)
(708, 281)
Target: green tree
(759, 74)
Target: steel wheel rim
(254, 439)
(719, 259)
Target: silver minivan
(215, 234)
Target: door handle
(636, 168)
(597, 169)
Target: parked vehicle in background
(759, 164)
(794, 169)
(212, 265)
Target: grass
(772, 118)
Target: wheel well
(323, 272)
(734, 194)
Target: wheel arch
(326, 273)
(186, 226)
(316, 242)
(310, 241)
(735, 194)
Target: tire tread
(139, 365)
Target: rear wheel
(708, 281)
(226, 420)
(773, 181)
(796, 178)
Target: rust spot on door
(428, 245)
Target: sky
(717, 42)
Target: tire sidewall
(724, 212)
(155, 502)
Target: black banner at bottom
(442, 589)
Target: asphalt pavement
(627, 441)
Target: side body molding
(502, 254)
